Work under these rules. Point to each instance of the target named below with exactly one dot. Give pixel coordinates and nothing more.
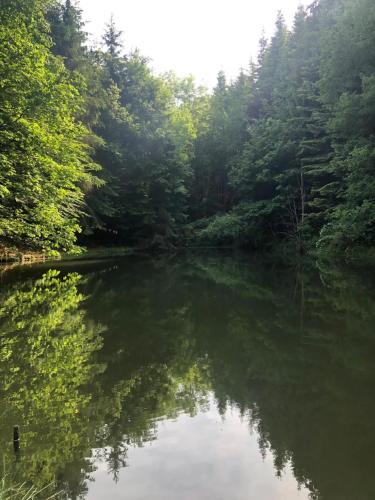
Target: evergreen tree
(282, 154)
(66, 28)
(112, 38)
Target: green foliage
(282, 154)
(44, 159)
(302, 172)
(148, 129)
(220, 137)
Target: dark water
(200, 377)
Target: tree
(44, 157)
(66, 30)
(112, 38)
(301, 172)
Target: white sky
(199, 37)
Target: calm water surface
(189, 378)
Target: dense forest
(96, 149)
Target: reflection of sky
(200, 458)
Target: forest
(98, 150)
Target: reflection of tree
(54, 385)
(175, 332)
(152, 371)
(305, 386)
(275, 342)
(46, 346)
(133, 407)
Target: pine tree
(67, 32)
(112, 38)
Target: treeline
(95, 146)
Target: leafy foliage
(282, 154)
(303, 172)
(44, 159)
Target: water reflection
(92, 361)
(46, 348)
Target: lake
(196, 377)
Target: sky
(198, 37)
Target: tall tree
(44, 158)
(112, 38)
